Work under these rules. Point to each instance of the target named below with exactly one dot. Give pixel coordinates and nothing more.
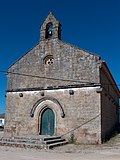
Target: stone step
(51, 138)
(29, 138)
(24, 141)
(49, 146)
(54, 141)
(22, 144)
(34, 142)
(38, 138)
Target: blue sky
(93, 25)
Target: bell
(50, 32)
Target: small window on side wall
(49, 28)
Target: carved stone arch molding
(53, 100)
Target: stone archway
(50, 99)
(39, 109)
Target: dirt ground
(66, 152)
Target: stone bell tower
(50, 28)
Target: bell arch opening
(49, 31)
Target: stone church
(59, 89)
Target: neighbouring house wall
(109, 103)
(81, 108)
(2, 121)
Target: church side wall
(82, 122)
(109, 105)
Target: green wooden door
(47, 122)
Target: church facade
(57, 89)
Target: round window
(48, 60)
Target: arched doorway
(47, 122)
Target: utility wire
(35, 76)
(50, 78)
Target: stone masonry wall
(69, 63)
(109, 105)
(79, 108)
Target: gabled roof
(23, 55)
(62, 42)
(76, 47)
(107, 71)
